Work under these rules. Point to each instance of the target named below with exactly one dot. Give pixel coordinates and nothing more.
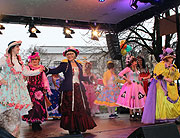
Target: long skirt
(160, 107)
(91, 97)
(54, 99)
(38, 112)
(75, 117)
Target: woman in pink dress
(132, 94)
(90, 88)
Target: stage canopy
(113, 14)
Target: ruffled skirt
(75, 117)
(108, 97)
(132, 96)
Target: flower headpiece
(33, 56)
(71, 48)
(168, 52)
(12, 44)
(128, 59)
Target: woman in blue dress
(54, 82)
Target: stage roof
(116, 14)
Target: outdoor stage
(119, 127)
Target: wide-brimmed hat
(73, 49)
(13, 44)
(168, 52)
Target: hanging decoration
(124, 47)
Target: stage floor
(119, 127)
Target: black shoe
(115, 115)
(72, 132)
(78, 132)
(177, 122)
(111, 116)
(36, 127)
(132, 117)
(138, 116)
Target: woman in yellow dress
(162, 103)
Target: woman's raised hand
(42, 68)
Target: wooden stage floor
(119, 127)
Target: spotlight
(95, 34)
(152, 2)
(33, 30)
(134, 5)
(67, 32)
(101, 0)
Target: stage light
(95, 34)
(152, 2)
(101, 0)
(33, 30)
(67, 32)
(134, 5)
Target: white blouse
(75, 75)
(25, 71)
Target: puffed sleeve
(2, 64)
(159, 70)
(124, 71)
(46, 83)
(2, 61)
(176, 74)
(27, 72)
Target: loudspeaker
(168, 130)
(113, 46)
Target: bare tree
(42, 52)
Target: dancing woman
(108, 96)
(37, 86)
(55, 83)
(132, 94)
(90, 88)
(76, 117)
(163, 104)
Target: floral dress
(37, 86)
(109, 94)
(15, 93)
